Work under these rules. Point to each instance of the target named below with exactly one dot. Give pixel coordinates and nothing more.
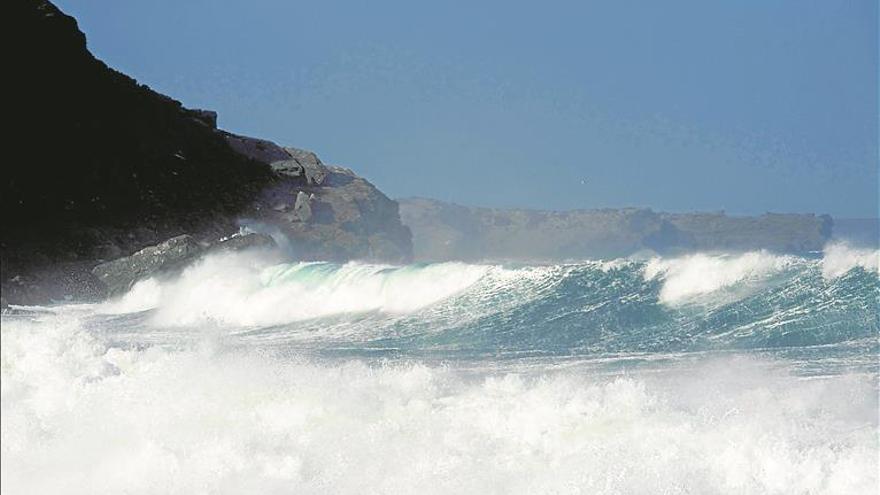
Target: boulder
(119, 275)
(302, 210)
(315, 172)
(168, 258)
(290, 168)
(242, 242)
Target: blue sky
(745, 106)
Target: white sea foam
(688, 277)
(82, 417)
(145, 294)
(242, 289)
(839, 258)
(245, 289)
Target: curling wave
(707, 373)
(695, 302)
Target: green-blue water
(707, 373)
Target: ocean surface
(700, 374)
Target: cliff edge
(99, 167)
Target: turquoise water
(756, 302)
(707, 373)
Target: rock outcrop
(327, 212)
(446, 231)
(101, 167)
(120, 274)
(302, 208)
(167, 258)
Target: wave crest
(689, 277)
(839, 258)
(241, 289)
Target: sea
(705, 373)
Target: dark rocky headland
(98, 167)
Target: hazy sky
(746, 106)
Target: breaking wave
(696, 275)
(238, 289)
(695, 302)
(706, 373)
(840, 258)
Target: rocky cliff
(446, 231)
(98, 166)
(322, 212)
(780, 232)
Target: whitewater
(704, 373)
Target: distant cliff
(780, 232)
(98, 166)
(446, 231)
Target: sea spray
(105, 419)
(839, 258)
(244, 375)
(689, 277)
(241, 290)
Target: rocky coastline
(447, 231)
(102, 168)
(108, 181)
